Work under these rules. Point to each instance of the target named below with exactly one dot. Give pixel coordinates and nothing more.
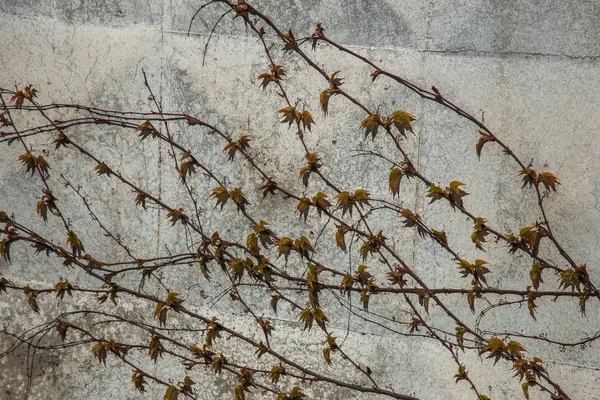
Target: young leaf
(138, 382)
(324, 100)
(371, 124)
(307, 120)
(289, 114)
(529, 177)
(276, 372)
(146, 129)
(495, 347)
(239, 198)
(187, 166)
(177, 216)
(268, 187)
(441, 236)
(266, 79)
(482, 141)
(536, 275)
(435, 193)
(456, 193)
(402, 121)
(320, 202)
(171, 393)
(284, 245)
(140, 199)
(340, 236)
(99, 351)
(304, 207)
(549, 180)
(75, 243)
(394, 181)
(243, 143)
(221, 195)
(102, 169)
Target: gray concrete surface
(531, 68)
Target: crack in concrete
(510, 53)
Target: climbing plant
(295, 247)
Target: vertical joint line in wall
(430, 6)
(418, 166)
(160, 100)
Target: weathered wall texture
(531, 67)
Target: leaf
(525, 387)
(156, 348)
(268, 187)
(238, 393)
(28, 160)
(60, 288)
(171, 393)
(239, 198)
(242, 144)
(402, 121)
(32, 302)
(284, 245)
(138, 381)
(495, 347)
(278, 71)
(221, 195)
(371, 124)
(335, 80)
(146, 129)
(549, 180)
(177, 216)
(173, 300)
(320, 202)
(536, 275)
(307, 120)
(264, 234)
(569, 278)
(102, 169)
(99, 351)
(529, 177)
(347, 283)
(303, 246)
(394, 181)
(327, 355)
(456, 193)
(471, 300)
(435, 193)
(266, 79)
(314, 37)
(482, 141)
(460, 337)
(61, 328)
(274, 301)
(462, 373)
(188, 165)
(47, 202)
(441, 236)
(324, 100)
(479, 233)
(304, 207)
(75, 243)
(515, 349)
(289, 114)
(61, 140)
(340, 236)
(307, 318)
(276, 372)
(160, 313)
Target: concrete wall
(531, 68)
